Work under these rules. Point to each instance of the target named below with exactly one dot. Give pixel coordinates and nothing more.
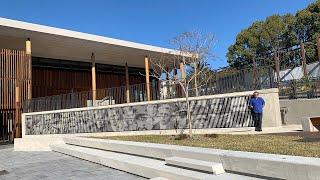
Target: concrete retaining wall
(297, 109)
(216, 111)
(41, 141)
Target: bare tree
(194, 51)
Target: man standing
(257, 104)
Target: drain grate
(3, 172)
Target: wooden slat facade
(48, 77)
(14, 80)
(48, 82)
(53, 77)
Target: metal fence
(107, 96)
(302, 88)
(235, 81)
(295, 71)
(244, 80)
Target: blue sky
(153, 22)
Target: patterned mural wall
(209, 113)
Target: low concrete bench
(311, 124)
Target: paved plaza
(52, 165)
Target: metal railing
(241, 80)
(302, 88)
(107, 96)
(293, 81)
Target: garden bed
(287, 144)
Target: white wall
(297, 109)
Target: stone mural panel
(208, 113)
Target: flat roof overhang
(64, 44)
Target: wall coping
(235, 94)
(300, 99)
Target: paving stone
(52, 165)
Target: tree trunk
(304, 60)
(189, 115)
(254, 73)
(277, 64)
(195, 81)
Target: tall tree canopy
(274, 33)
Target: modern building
(38, 61)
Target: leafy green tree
(314, 8)
(276, 33)
(290, 34)
(272, 35)
(247, 45)
(303, 25)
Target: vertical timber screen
(15, 76)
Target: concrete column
(28, 53)
(28, 46)
(17, 124)
(93, 80)
(146, 63)
(183, 73)
(127, 83)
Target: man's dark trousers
(257, 120)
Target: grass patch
(275, 144)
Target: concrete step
(142, 166)
(159, 178)
(211, 167)
(252, 164)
